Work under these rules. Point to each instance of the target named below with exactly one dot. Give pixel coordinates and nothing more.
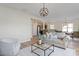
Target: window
(70, 28)
(51, 26)
(67, 28)
(64, 28)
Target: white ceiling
(57, 11)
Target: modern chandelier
(44, 11)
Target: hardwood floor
(25, 44)
(74, 44)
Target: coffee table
(44, 47)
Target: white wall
(15, 24)
(58, 24)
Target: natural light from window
(52, 26)
(68, 28)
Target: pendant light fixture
(44, 11)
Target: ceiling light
(44, 11)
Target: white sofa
(56, 39)
(60, 40)
(9, 46)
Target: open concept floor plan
(39, 29)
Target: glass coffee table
(44, 47)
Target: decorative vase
(40, 41)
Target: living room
(22, 22)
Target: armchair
(9, 47)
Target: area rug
(57, 52)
